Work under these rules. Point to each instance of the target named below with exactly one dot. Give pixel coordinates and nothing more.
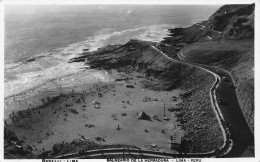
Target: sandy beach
(113, 119)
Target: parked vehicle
(225, 79)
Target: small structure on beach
(166, 118)
(182, 144)
(144, 116)
(96, 104)
(130, 86)
(74, 111)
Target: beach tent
(144, 116)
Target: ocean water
(39, 40)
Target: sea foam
(46, 70)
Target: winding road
(237, 138)
(241, 134)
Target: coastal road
(227, 143)
(241, 134)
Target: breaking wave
(40, 69)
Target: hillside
(234, 21)
(230, 21)
(225, 40)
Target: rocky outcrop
(145, 58)
(186, 35)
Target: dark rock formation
(230, 21)
(145, 59)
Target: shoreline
(132, 116)
(53, 88)
(61, 56)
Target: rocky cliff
(229, 22)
